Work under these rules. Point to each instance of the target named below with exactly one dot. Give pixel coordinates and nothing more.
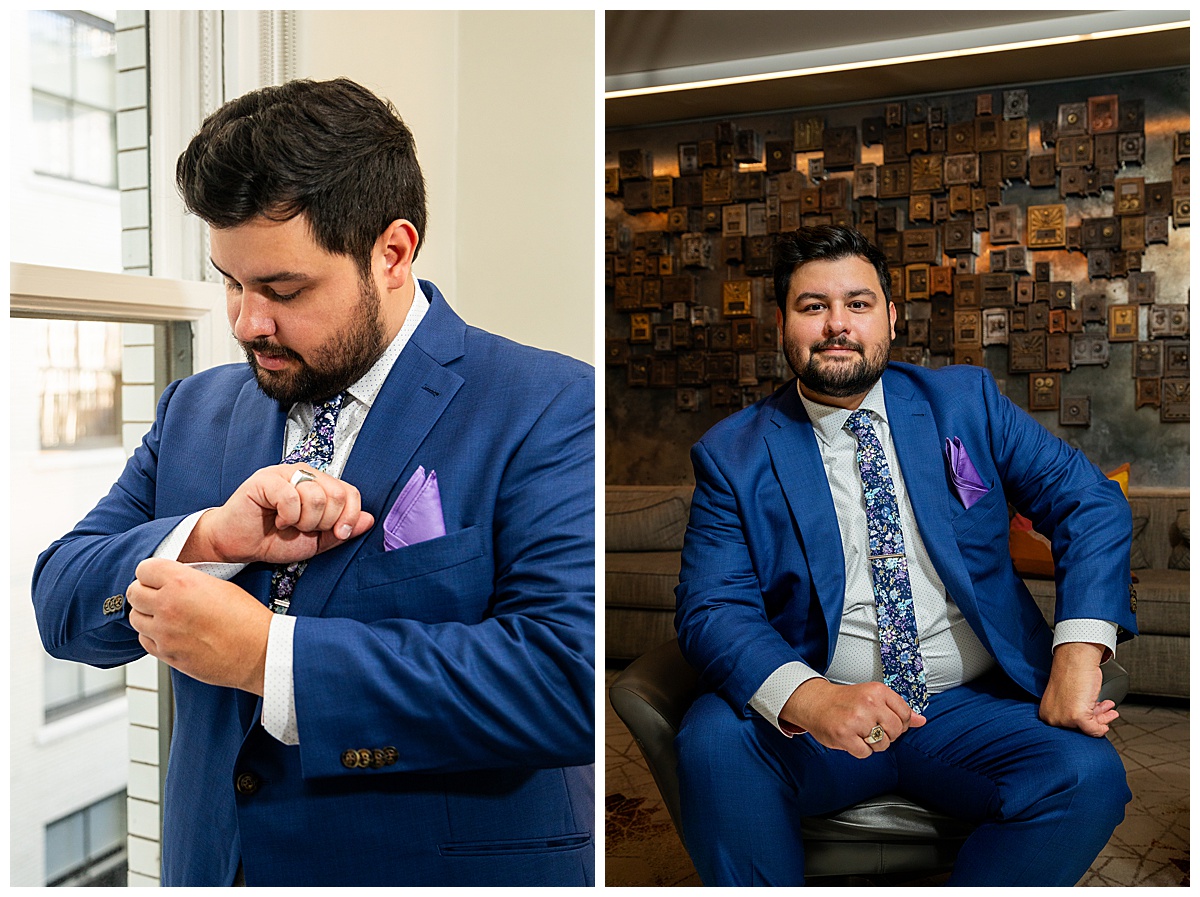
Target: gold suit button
(377, 759)
(390, 755)
(350, 759)
(247, 783)
(1132, 600)
(364, 758)
(114, 604)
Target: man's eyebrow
(849, 294)
(277, 277)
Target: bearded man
(367, 554)
(847, 595)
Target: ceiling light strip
(898, 60)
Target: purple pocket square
(417, 514)
(963, 476)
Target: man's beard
(837, 379)
(337, 364)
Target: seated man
(847, 595)
(412, 497)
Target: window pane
(68, 684)
(68, 122)
(79, 381)
(63, 682)
(94, 146)
(97, 681)
(50, 51)
(52, 135)
(61, 340)
(95, 71)
(106, 825)
(64, 845)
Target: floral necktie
(903, 666)
(315, 450)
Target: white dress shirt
(951, 651)
(279, 695)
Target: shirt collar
(829, 420)
(367, 387)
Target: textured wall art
(1034, 230)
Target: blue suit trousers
(1045, 800)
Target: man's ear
(892, 316)
(394, 251)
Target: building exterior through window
(73, 75)
(87, 847)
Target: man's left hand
(205, 627)
(1070, 698)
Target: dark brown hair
(330, 150)
(824, 243)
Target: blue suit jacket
(763, 573)
(471, 654)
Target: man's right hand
(842, 716)
(269, 519)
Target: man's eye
(284, 297)
(232, 285)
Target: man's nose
(253, 318)
(835, 321)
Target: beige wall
(503, 108)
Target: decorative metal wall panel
(1026, 229)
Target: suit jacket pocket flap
(430, 556)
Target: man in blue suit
(847, 594)
(419, 707)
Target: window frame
(49, 292)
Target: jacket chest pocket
(442, 579)
(985, 509)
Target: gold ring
(876, 736)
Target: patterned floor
(1149, 848)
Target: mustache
(265, 347)
(839, 342)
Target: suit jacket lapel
(254, 441)
(797, 462)
(416, 393)
(922, 462)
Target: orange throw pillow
(1030, 550)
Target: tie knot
(317, 447)
(859, 422)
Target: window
(73, 75)
(79, 382)
(88, 846)
(67, 415)
(71, 687)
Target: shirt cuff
(170, 547)
(279, 693)
(773, 694)
(1099, 632)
